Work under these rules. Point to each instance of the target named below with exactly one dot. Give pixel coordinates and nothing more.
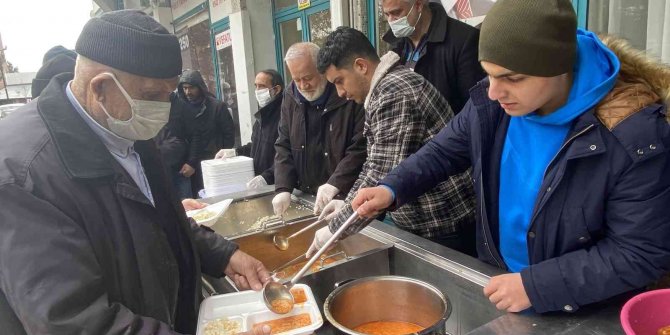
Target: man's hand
(247, 272)
(324, 195)
(257, 182)
(507, 293)
(191, 204)
(225, 153)
(370, 202)
(281, 202)
(187, 171)
(320, 238)
(331, 210)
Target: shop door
(293, 25)
(225, 71)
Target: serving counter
(381, 249)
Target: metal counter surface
(458, 276)
(251, 212)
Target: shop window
(644, 23)
(360, 17)
(227, 84)
(319, 26)
(381, 27)
(284, 4)
(196, 51)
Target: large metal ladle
(278, 297)
(281, 242)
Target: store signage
(303, 4)
(183, 42)
(223, 40)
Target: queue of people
(538, 147)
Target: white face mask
(146, 120)
(263, 97)
(401, 27)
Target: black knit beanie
(131, 41)
(57, 51)
(55, 64)
(532, 37)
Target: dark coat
(173, 148)
(340, 159)
(82, 250)
(172, 141)
(450, 61)
(600, 223)
(210, 121)
(263, 137)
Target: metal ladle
(278, 297)
(281, 242)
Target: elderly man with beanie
(92, 238)
(568, 144)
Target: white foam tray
(248, 308)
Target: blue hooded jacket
(532, 140)
(599, 225)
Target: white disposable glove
(331, 210)
(281, 202)
(225, 153)
(257, 182)
(324, 195)
(320, 238)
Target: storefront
(225, 70)
(229, 41)
(299, 21)
(191, 24)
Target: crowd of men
(538, 147)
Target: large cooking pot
(387, 298)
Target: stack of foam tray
(229, 175)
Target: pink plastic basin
(645, 313)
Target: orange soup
(281, 306)
(388, 328)
(287, 323)
(299, 295)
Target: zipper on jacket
(487, 242)
(544, 175)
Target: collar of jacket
(81, 152)
(386, 63)
(334, 100)
(437, 31)
(270, 108)
(637, 133)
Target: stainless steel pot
(387, 298)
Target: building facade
(230, 40)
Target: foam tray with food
(228, 314)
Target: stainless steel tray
(251, 215)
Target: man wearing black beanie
(92, 237)
(56, 60)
